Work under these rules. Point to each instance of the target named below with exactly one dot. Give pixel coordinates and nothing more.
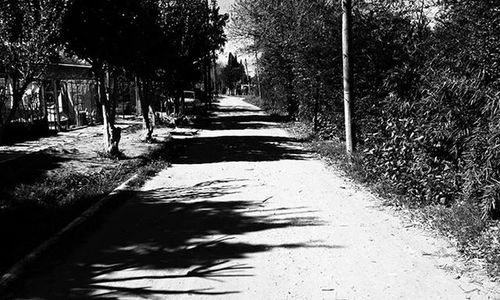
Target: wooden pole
(346, 53)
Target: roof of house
(69, 72)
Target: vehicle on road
(191, 103)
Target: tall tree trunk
(102, 104)
(112, 97)
(209, 82)
(215, 77)
(152, 118)
(148, 125)
(138, 111)
(112, 134)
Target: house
(63, 98)
(69, 94)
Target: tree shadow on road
(180, 233)
(26, 168)
(18, 214)
(234, 142)
(172, 234)
(201, 150)
(234, 118)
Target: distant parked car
(190, 101)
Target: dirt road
(246, 213)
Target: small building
(69, 94)
(63, 98)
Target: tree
(196, 30)
(464, 79)
(113, 34)
(233, 73)
(298, 43)
(29, 32)
(163, 43)
(154, 54)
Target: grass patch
(254, 100)
(474, 237)
(273, 111)
(31, 211)
(152, 163)
(133, 129)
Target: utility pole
(346, 53)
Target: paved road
(246, 213)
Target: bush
(427, 98)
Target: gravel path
(246, 213)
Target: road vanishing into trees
(246, 213)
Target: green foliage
(427, 100)
(164, 46)
(297, 46)
(233, 73)
(36, 209)
(150, 38)
(196, 31)
(111, 31)
(29, 31)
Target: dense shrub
(427, 90)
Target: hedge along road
(246, 213)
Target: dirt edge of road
(470, 272)
(17, 271)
